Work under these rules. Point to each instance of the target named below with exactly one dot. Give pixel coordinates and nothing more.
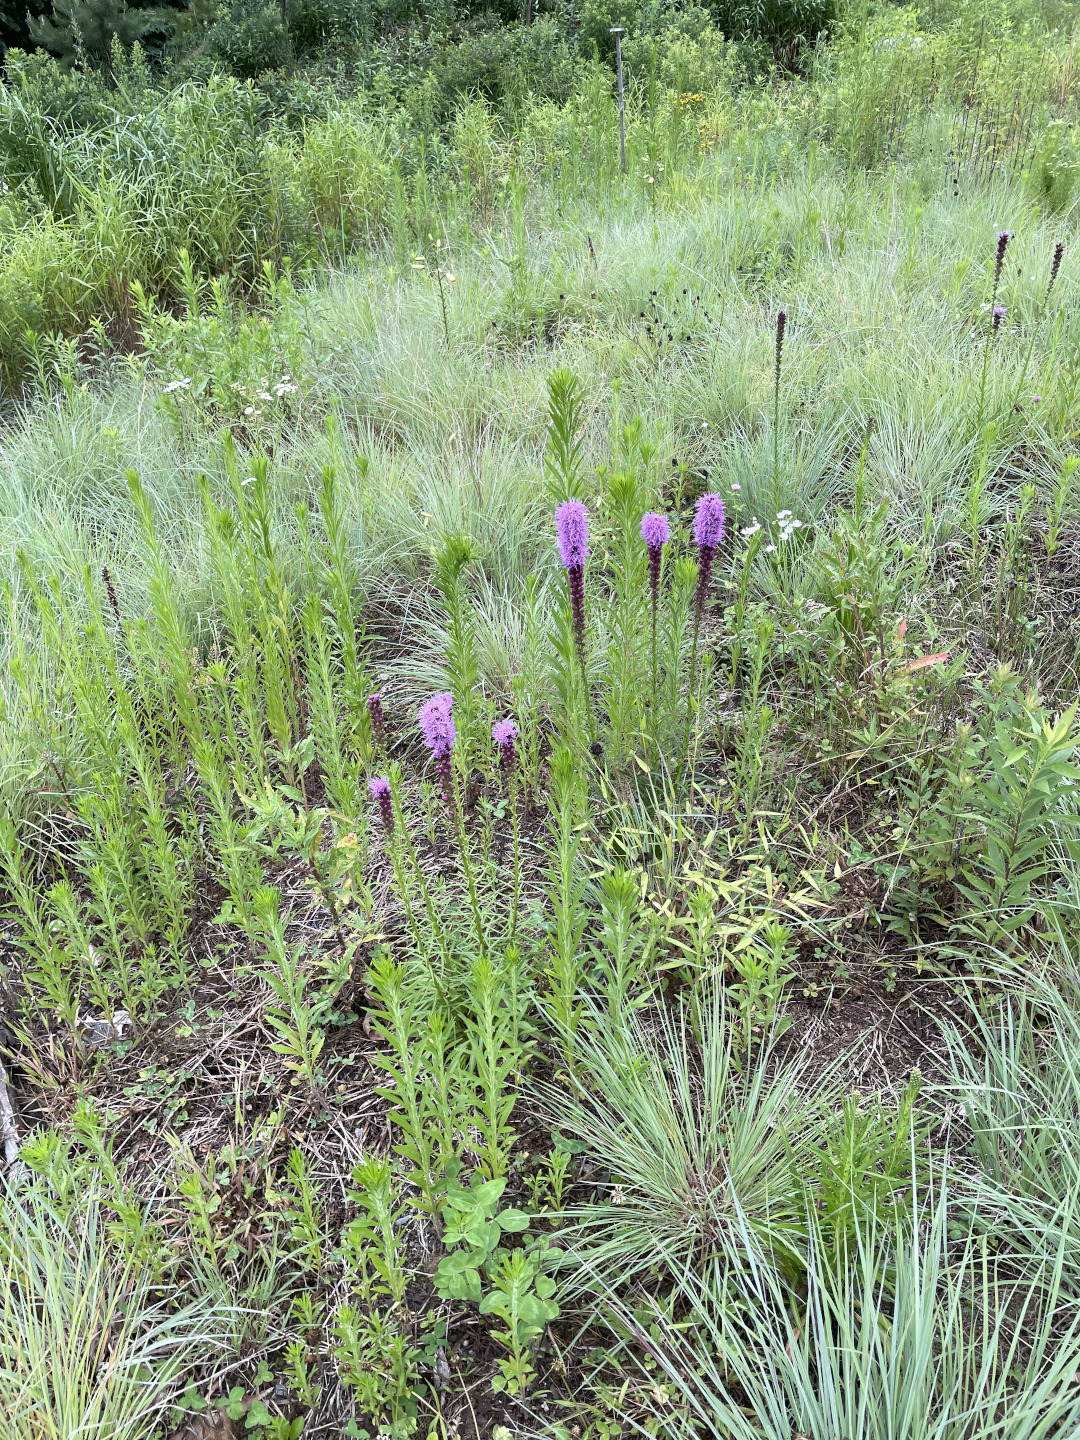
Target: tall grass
(90, 1346)
(921, 1334)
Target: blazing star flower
(709, 521)
(504, 733)
(380, 792)
(656, 532)
(1004, 236)
(708, 532)
(378, 719)
(999, 315)
(1055, 265)
(572, 529)
(437, 723)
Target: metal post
(619, 31)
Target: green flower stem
(466, 864)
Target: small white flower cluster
(182, 384)
(788, 526)
(266, 392)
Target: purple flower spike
(572, 529)
(708, 532)
(709, 521)
(504, 733)
(437, 723)
(999, 315)
(656, 532)
(1059, 251)
(380, 791)
(1004, 236)
(378, 719)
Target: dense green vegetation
(697, 1053)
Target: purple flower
(1059, 251)
(656, 532)
(437, 723)
(572, 529)
(708, 532)
(999, 315)
(709, 521)
(1004, 236)
(504, 733)
(380, 792)
(378, 719)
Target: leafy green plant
(567, 888)
(521, 1297)
(1016, 788)
(473, 1225)
(865, 1170)
(424, 1087)
(760, 962)
(291, 1014)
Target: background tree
(90, 28)
(14, 23)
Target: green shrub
(252, 39)
(315, 23)
(684, 61)
(779, 23)
(503, 66)
(48, 89)
(597, 18)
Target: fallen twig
(9, 1135)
